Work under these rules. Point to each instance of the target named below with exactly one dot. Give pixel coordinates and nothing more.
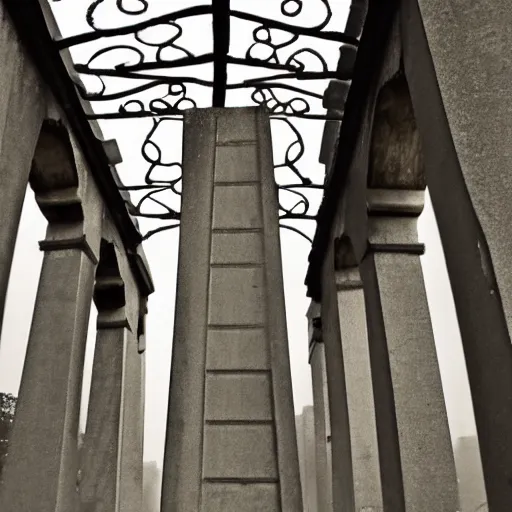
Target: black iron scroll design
(140, 8)
(153, 185)
(159, 78)
(294, 203)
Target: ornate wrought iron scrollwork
(300, 206)
(148, 55)
(153, 185)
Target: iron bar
(130, 29)
(221, 29)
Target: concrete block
(236, 163)
(236, 207)
(236, 296)
(237, 247)
(228, 497)
(239, 452)
(238, 396)
(233, 349)
(236, 125)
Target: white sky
(162, 254)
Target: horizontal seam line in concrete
(228, 327)
(238, 183)
(239, 423)
(238, 370)
(353, 285)
(235, 480)
(248, 142)
(228, 231)
(236, 265)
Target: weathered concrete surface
(352, 217)
(231, 436)
(111, 469)
(470, 48)
(408, 479)
(132, 435)
(358, 381)
(342, 478)
(41, 471)
(459, 77)
(404, 362)
(99, 463)
(22, 106)
(306, 443)
(321, 410)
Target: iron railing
(148, 57)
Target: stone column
(418, 471)
(132, 435)
(99, 469)
(358, 380)
(306, 442)
(102, 481)
(41, 470)
(22, 106)
(131, 443)
(321, 409)
(457, 61)
(231, 443)
(341, 463)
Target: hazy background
(162, 253)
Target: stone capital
(65, 192)
(393, 220)
(64, 244)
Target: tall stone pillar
(306, 443)
(108, 482)
(22, 106)
(231, 443)
(41, 470)
(418, 471)
(132, 440)
(457, 61)
(358, 379)
(321, 409)
(342, 480)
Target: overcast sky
(162, 254)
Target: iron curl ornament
(147, 69)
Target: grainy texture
(404, 333)
(22, 105)
(457, 63)
(396, 159)
(306, 443)
(99, 468)
(131, 437)
(41, 473)
(359, 385)
(229, 441)
(322, 428)
(342, 479)
(182, 472)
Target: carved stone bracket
(65, 193)
(109, 290)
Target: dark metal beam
(221, 25)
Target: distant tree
(7, 411)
